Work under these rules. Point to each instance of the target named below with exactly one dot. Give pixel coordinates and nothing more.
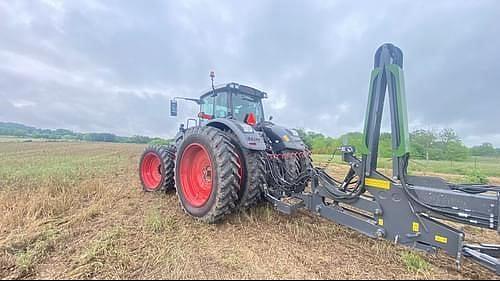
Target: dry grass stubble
(76, 211)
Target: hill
(23, 131)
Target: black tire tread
(292, 167)
(255, 179)
(295, 166)
(168, 163)
(227, 174)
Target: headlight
(247, 128)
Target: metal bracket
(484, 254)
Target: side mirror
(270, 118)
(173, 108)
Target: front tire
(207, 174)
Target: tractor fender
(283, 138)
(246, 134)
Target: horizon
(172, 137)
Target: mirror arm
(198, 101)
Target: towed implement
(230, 158)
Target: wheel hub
(207, 174)
(151, 171)
(196, 175)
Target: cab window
(244, 105)
(221, 105)
(207, 105)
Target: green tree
(159, 141)
(448, 135)
(139, 139)
(456, 151)
(306, 137)
(385, 145)
(485, 149)
(422, 142)
(353, 138)
(452, 146)
(100, 137)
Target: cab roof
(236, 87)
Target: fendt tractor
(231, 158)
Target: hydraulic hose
(446, 214)
(330, 186)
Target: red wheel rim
(196, 175)
(151, 171)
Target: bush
(414, 262)
(476, 177)
(159, 141)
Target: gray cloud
(113, 65)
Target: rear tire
(156, 168)
(292, 166)
(207, 174)
(295, 165)
(252, 175)
(253, 178)
(306, 163)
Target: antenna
(212, 77)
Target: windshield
(245, 104)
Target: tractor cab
(233, 101)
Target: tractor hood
(282, 138)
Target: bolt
(318, 209)
(380, 233)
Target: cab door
(215, 106)
(221, 105)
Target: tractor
(230, 158)
(230, 153)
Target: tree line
(23, 131)
(424, 144)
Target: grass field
(10, 139)
(488, 166)
(75, 210)
(4, 139)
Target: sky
(113, 65)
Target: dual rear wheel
(214, 176)
(156, 168)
